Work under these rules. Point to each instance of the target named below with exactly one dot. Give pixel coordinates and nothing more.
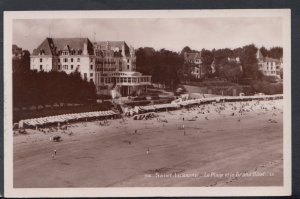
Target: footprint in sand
(65, 163)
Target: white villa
(195, 58)
(269, 66)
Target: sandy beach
(220, 145)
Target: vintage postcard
(147, 103)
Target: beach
(222, 144)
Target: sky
(172, 34)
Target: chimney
(85, 51)
(123, 50)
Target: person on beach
(148, 151)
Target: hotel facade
(111, 65)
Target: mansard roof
(192, 56)
(269, 59)
(52, 46)
(102, 45)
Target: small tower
(259, 55)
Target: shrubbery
(33, 88)
(267, 88)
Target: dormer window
(42, 52)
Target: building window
(65, 59)
(85, 75)
(71, 59)
(41, 60)
(78, 67)
(128, 60)
(41, 67)
(92, 79)
(71, 67)
(78, 59)
(127, 67)
(58, 67)
(91, 67)
(58, 60)
(91, 74)
(91, 59)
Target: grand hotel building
(111, 65)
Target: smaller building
(237, 61)
(269, 66)
(195, 59)
(17, 52)
(234, 59)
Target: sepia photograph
(172, 102)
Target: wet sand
(215, 150)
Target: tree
(237, 52)
(276, 52)
(186, 49)
(231, 71)
(264, 51)
(22, 64)
(249, 61)
(207, 59)
(41, 88)
(162, 65)
(220, 57)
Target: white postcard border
(9, 191)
